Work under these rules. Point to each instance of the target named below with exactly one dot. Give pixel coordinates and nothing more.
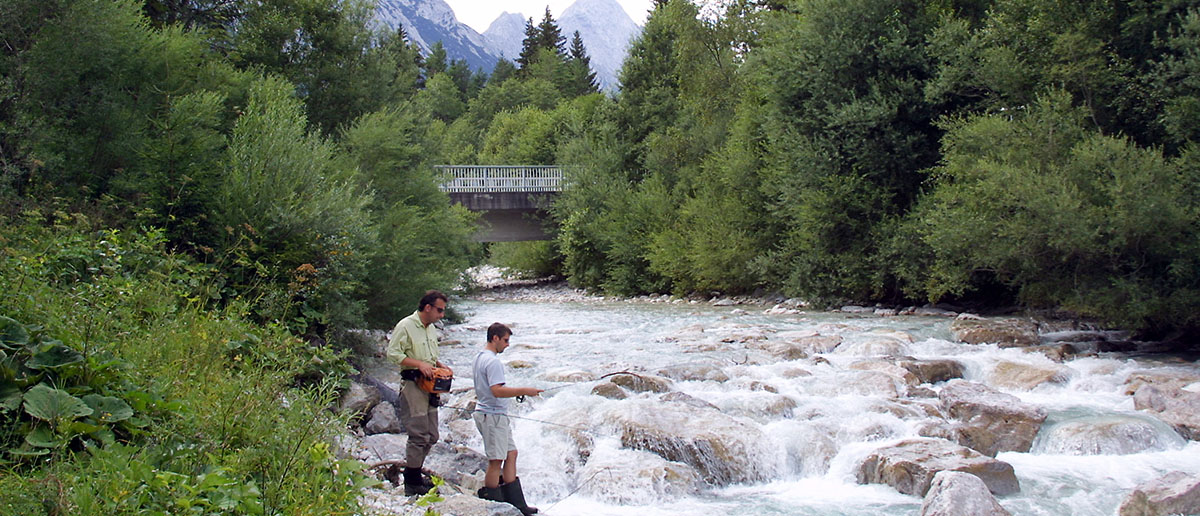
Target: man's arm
(503, 391)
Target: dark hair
(498, 330)
(429, 298)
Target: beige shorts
(497, 435)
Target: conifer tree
(529, 46)
(582, 79)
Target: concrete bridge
(513, 200)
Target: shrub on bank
(122, 391)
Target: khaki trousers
(421, 423)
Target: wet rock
(781, 349)
(469, 505)
(887, 312)
(899, 335)
(816, 344)
(859, 383)
(910, 465)
(1056, 352)
(609, 390)
(1166, 379)
(724, 302)
(932, 371)
(568, 375)
(990, 421)
(760, 407)
(1006, 333)
(954, 493)
(383, 420)
(1107, 435)
(1026, 376)
(519, 364)
(873, 346)
(887, 367)
(632, 477)
(642, 382)
(686, 399)
(1176, 406)
(794, 372)
(855, 309)
(358, 399)
(1174, 493)
(722, 449)
(458, 405)
(810, 447)
(934, 312)
(695, 373)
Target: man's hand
(426, 369)
(530, 391)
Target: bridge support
(508, 216)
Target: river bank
(777, 408)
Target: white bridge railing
(499, 178)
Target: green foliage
(303, 214)
(120, 394)
(423, 243)
(1065, 216)
(534, 259)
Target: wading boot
(490, 493)
(513, 495)
(415, 483)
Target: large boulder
(1027, 376)
(954, 493)
(470, 505)
(988, 420)
(809, 342)
(869, 345)
(932, 370)
(1175, 493)
(358, 399)
(383, 420)
(630, 477)
(1178, 407)
(887, 367)
(1166, 379)
(609, 390)
(723, 449)
(1006, 333)
(910, 465)
(1108, 435)
(695, 372)
(642, 382)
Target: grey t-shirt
(488, 372)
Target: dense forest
(201, 198)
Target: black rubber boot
(513, 495)
(415, 483)
(490, 493)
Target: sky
(481, 13)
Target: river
(800, 427)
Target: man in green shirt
(414, 346)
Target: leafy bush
(1066, 216)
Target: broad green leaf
(43, 437)
(10, 396)
(108, 409)
(55, 355)
(13, 334)
(50, 404)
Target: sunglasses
(440, 310)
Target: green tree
(1066, 217)
(581, 79)
(850, 133)
(306, 214)
(435, 62)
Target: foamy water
(796, 430)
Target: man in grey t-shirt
(500, 482)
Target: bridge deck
(500, 178)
